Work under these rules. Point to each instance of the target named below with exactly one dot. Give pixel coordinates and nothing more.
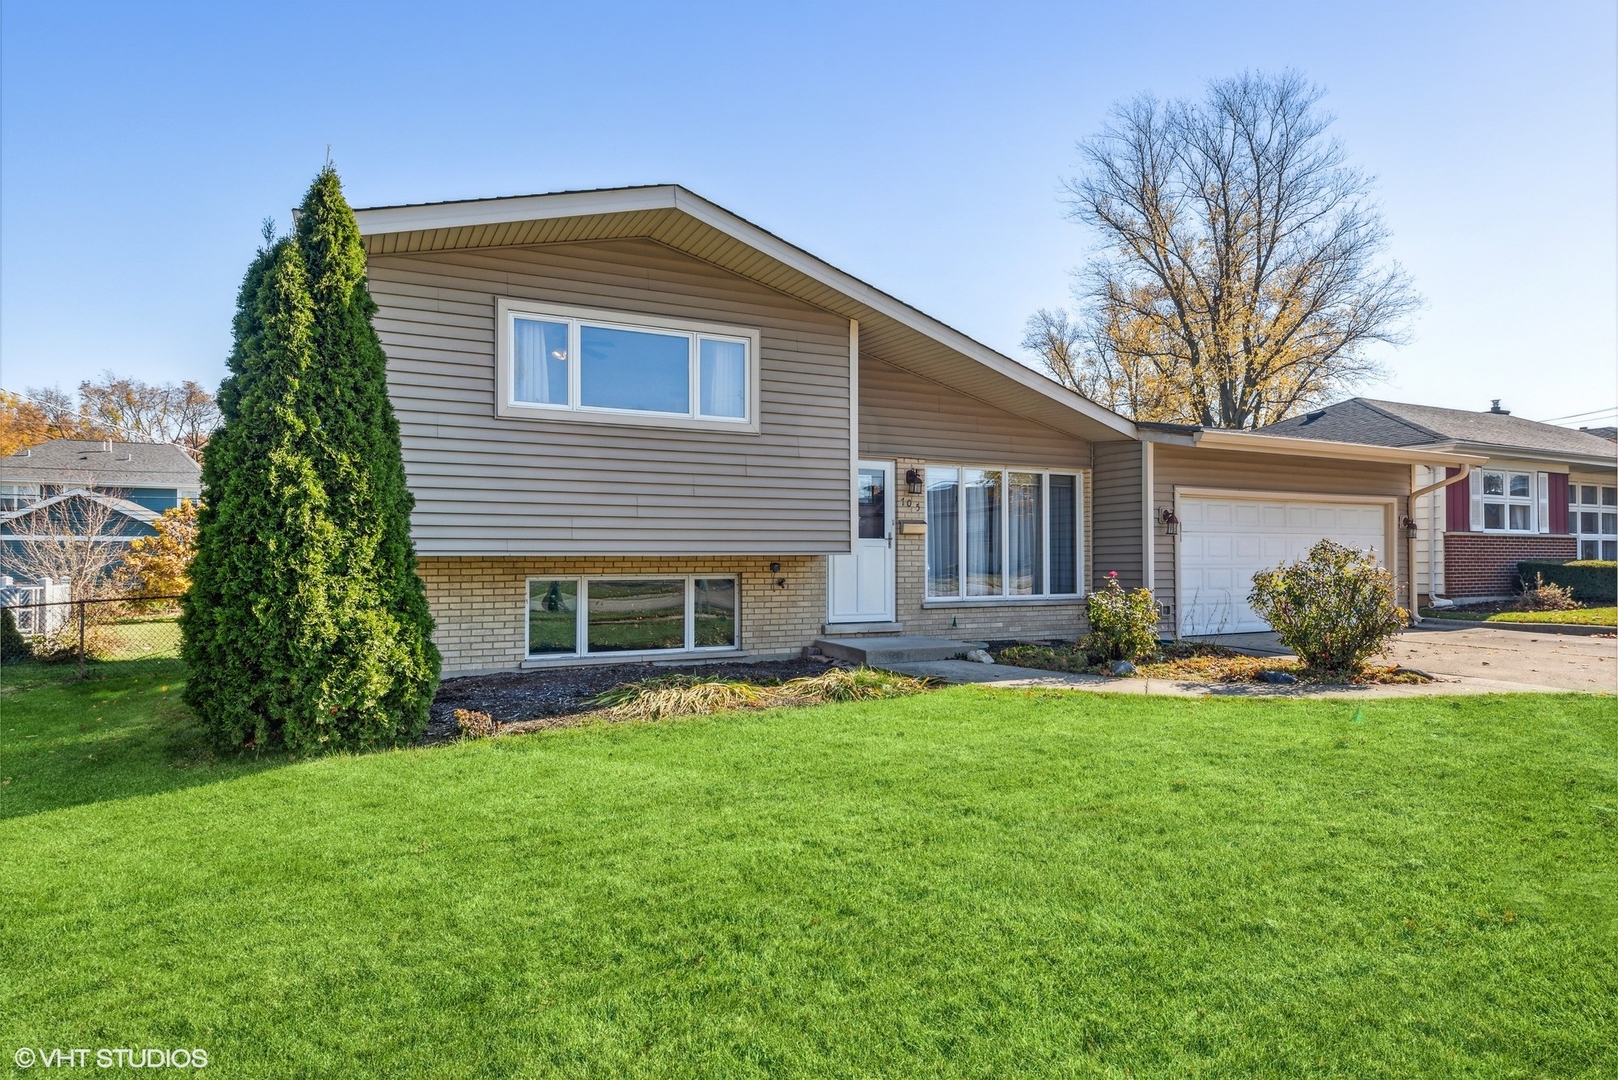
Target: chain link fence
(81, 632)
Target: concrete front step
(900, 649)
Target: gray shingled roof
(1395, 423)
(81, 462)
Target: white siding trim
(1148, 515)
(853, 443)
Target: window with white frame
(597, 364)
(1508, 502)
(1002, 534)
(1592, 516)
(595, 616)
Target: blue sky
(918, 147)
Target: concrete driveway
(1526, 658)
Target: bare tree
(1239, 277)
(113, 407)
(76, 539)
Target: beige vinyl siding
(905, 415)
(1182, 466)
(490, 485)
(1118, 517)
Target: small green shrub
(1334, 607)
(1123, 622)
(13, 646)
(1545, 595)
(1592, 581)
(1070, 658)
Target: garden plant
(1335, 607)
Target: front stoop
(900, 649)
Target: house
(152, 475)
(1541, 492)
(103, 491)
(637, 426)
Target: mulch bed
(1203, 662)
(556, 697)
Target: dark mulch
(557, 694)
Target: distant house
(59, 487)
(1545, 492)
(154, 475)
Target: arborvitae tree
(307, 625)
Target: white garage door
(1224, 542)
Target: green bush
(1123, 622)
(1592, 581)
(306, 626)
(1335, 607)
(13, 646)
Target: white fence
(40, 610)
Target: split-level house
(637, 426)
(1541, 492)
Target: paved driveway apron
(1563, 661)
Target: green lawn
(965, 883)
(1592, 616)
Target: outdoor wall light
(913, 481)
(1408, 528)
(1166, 518)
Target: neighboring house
(44, 491)
(75, 515)
(1542, 492)
(153, 475)
(637, 426)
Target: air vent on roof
(1497, 410)
(1316, 415)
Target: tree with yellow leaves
(160, 565)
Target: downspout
(1432, 539)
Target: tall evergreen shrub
(306, 626)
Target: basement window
(582, 364)
(630, 615)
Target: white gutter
(1247, 442)
(1432, 537)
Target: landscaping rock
(980, 656)
(1280, 678)
(1122, 667)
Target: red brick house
(1545, 492)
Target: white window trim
(1004, 597)
(581, 628)
(1506, 501)
(506, 405)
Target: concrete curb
(1573, 629)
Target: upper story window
(1592, 516)
(17, 496)
(1002, 533)
(1508, 502)
(625, 368)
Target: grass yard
(1591, 616)
(963, 883)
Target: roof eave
(1248, 442)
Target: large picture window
(1002, 533)
(1592, 516)
(601, 616)
(596, 365)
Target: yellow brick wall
(479, 605)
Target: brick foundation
(479, 603)
(1485, 564)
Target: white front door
(862, 581)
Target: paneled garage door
(1224, 542)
